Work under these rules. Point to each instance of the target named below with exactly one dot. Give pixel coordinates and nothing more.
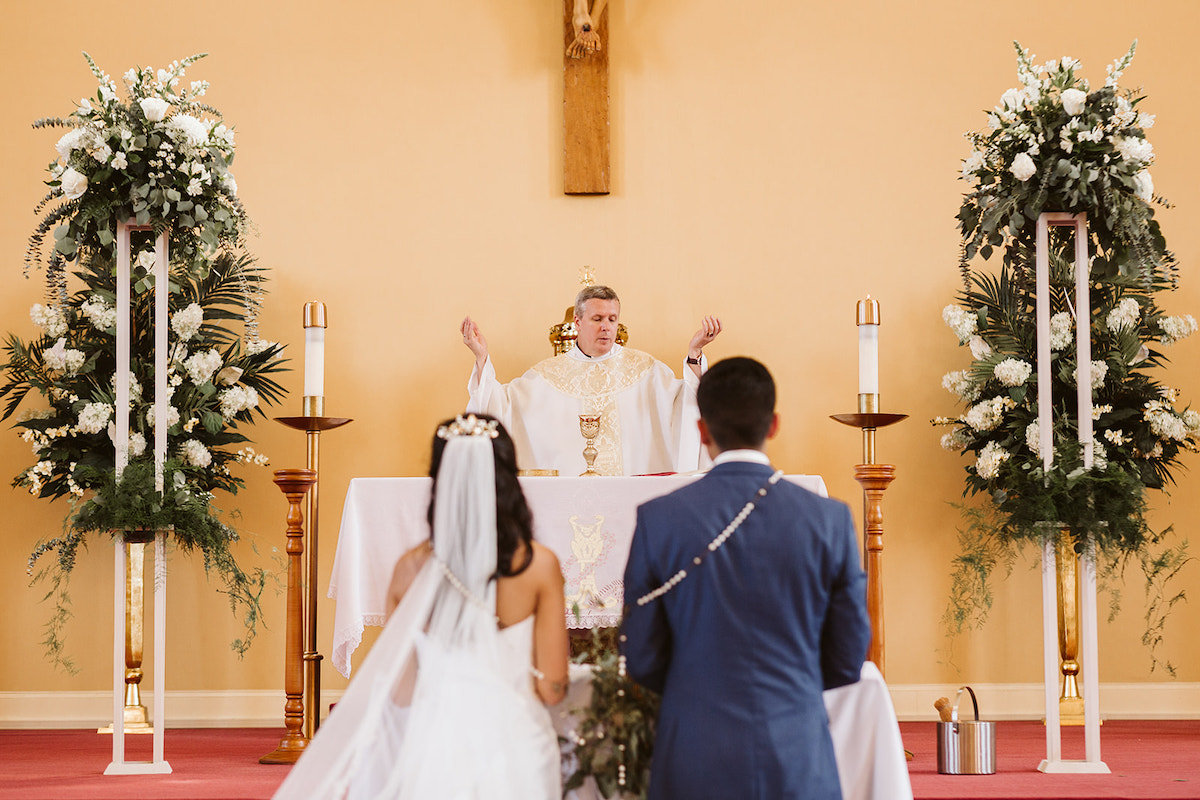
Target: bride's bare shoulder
(405, 573)
(545, 564)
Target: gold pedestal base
(137, 720)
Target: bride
(451, 700)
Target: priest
(647, 415)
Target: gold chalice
(589, 426)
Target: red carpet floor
(1149, 761)
(1157, 760)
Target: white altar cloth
(587, 522)
(862, 721)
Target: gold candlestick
(589, 426)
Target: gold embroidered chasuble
(647, 414)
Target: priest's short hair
(593, 293)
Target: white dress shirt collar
(752, 456)
(579, 355)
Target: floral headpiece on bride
(469, 425)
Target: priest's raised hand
(709, 328)
(473, 339)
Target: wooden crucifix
(585, 98)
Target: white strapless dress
(473, 731)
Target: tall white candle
(867, 317)
(314, 349)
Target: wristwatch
(691, 360)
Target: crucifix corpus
(585, 98)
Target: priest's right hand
(473, 339)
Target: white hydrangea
(60, 358)
(195, 453)
(986, 415)
(201, 366)
(1173, 328)
(137, 444)
(1061, 330)
(94, 417)
(955, 441)
(237, 399)
(1124, 315)
(74, 139)
(187, 128)
(187, 321)
(103, 316)
(50, 319)
(987, 466)
(1134, 148)
(1164, 422)
(960, 384)
(172, 415)
(961, 321)
(1012, 371)
(1099, 371)
(979, 348)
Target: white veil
(454, 737)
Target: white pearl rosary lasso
(714, 545)
(462, 589)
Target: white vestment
(648, 416)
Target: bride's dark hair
(514, 521)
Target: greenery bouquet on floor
(1057, 144)
(613, 740)
(160, 157)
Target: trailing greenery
(614, 737)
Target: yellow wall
(402, 161)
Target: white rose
(155, 108)
(1012, 99)
(74, 184)
(1023, 167)
(1073, 101)
(1143, 186)
(979, 347)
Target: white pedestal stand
(119, 765)
(1089, 650)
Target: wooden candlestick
(874, 479)
(294, 483)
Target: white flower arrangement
(1057, 144)
(159, 156)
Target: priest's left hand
(709, 328)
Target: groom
(769, 613)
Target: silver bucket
(966, 747)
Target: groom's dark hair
(737, 403)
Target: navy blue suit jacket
(743, 647)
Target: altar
(587, 522)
